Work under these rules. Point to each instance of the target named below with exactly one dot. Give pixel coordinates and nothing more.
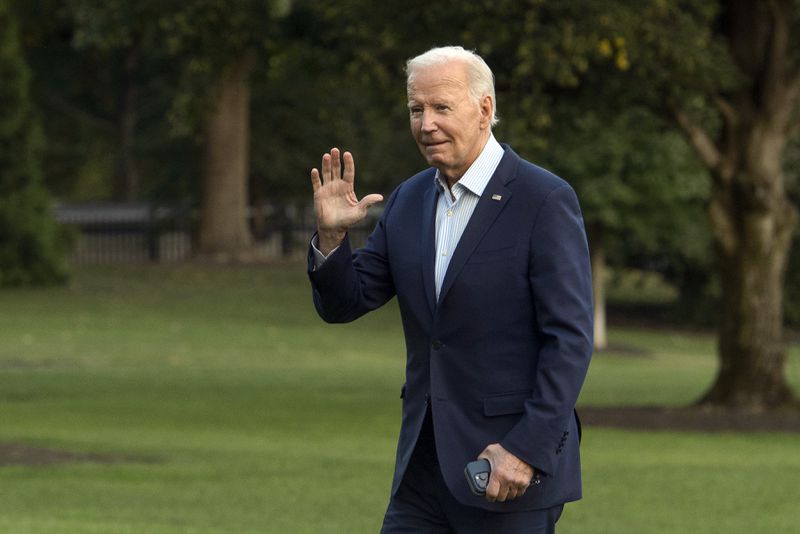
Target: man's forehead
(441, 75)
(442, 89)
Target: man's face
(449, 126)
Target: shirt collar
(480, 172)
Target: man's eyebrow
(436, 102)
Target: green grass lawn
(233, 408)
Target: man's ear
(486, 106)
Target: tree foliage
(31, 247)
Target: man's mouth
(433, 144)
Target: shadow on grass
(20, 454)
(690, 419)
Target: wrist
(329, 240)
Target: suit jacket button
(436, 344)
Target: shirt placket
(445, 243)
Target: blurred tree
(792, 295)
(104, 83)
(200, 54)
(622, 166)
(751, 215)
(218, 43)
(120, 36)
(31, 247)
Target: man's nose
(428, 121)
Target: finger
(492, 489)
(326, 168)
(336, 164)
(369, 200)
(316, 183)
(349, 168)
(518, 491)
(502, 495)
(512, 494)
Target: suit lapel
(428, 243)
(492, 201)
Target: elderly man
(487, 256)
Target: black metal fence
(114, 233)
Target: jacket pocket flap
(506, 404)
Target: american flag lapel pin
(497, 197)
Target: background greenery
(233, 408)
(121, 90)
(31, 245)
(227, 403)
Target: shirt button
(449, 213)
(436, 344)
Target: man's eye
(415, 111)
(442, 107)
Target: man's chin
(434, 160)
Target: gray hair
(481, 79)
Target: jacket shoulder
(537, 180)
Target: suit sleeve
(349, 284)
(561, 286)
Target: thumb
(369, 200)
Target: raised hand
(335, 201)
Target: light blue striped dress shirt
(455, 207)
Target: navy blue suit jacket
(502, 355)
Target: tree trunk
(751, 216)
(752, 244)
(598, 255)
(224, 232)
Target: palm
(335, 202)
(337, 206)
